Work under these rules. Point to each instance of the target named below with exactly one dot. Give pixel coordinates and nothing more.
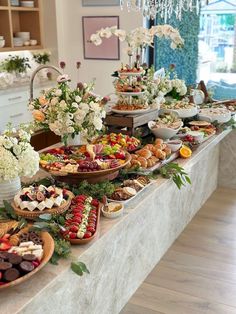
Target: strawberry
(87, 234)
(74, 229)
(73, 235)
(5, 246)
(5, 238)
(95, 202)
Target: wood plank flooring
(197, 275)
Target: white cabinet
(14, 106)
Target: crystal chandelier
(164, 8)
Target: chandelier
(164, 8)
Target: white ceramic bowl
(187, 113)
(174, 145)
(115, 214)
(2, 43)
(206, 115)
(27, 4)
(163, 133)
(23, 35)
(33, 42)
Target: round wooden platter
(91, 177)
(85, 241)
(48, 249)
(36, 213)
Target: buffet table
(129, 247)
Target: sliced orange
(185, 152)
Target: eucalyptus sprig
(176, 173)
(54, 225)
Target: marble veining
(227, 169)
(126, 250)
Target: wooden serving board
(48, 249)
(85, 241)
(36, 213)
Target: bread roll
(149, 147)
(167, 150)
(144, 153)
(157, 152)
(162, 155)
(159, 141)
(135, 164)
(143, 162)
(134, 157)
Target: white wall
(70, 42)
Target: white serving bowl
(115, 214)
(174, 145)
(163, 133)
(33, 42)
(187, 113)
(205, 115)
(2, 43)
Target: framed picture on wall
(100, 3)
(110, 47)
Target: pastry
(159, 141)
(167, 150)
(129, 191)
(143, 162)
(157, 153)
(162, 155)
(135, 164)
(144, 153)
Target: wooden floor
(198, 273)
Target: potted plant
(16, 65)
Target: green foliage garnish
(97, 190)
(7, 212)
(79, 268)
(225, 126)
(176, 173)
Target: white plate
(131, 93)
(131, 73)
(139, 111)
(131, 198)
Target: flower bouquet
(17, 158)
(68, 112)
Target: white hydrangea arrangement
(140, 37)
(68, 112)
(17, 157)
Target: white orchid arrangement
(68, 112)
(17, 156)
(140, 37)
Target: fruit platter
(129, 189)
(35, 200)
(82, 220)
(93, 162)
(22, 253)
(184, 108)
(129, 143)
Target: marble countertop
(17, 299)
(25, 87)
